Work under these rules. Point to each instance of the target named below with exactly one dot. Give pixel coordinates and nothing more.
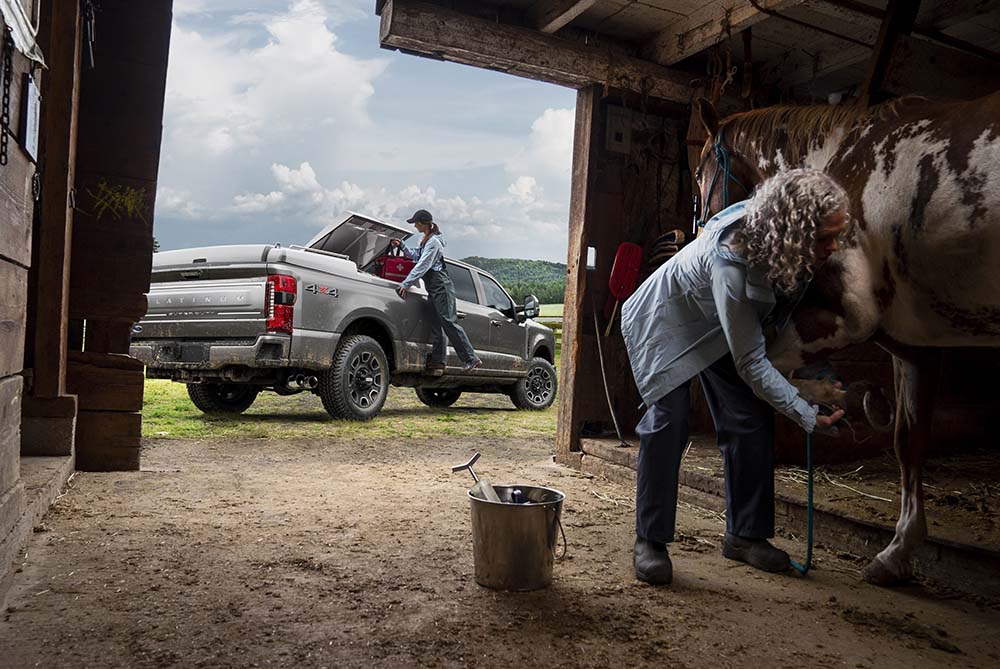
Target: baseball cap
(421, 216)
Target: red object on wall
(394, 268)
(624, 277)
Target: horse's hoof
(877, 573)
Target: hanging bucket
(514, 544)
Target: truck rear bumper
(265, 351)
(306, 349)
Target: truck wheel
(222, 398)
(438, 397)
(356, 386)
(537, 390)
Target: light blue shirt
(703, 303)
(429, 256)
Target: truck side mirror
(531, 307)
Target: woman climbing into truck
(440, 292)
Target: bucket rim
(562, 495)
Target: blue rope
(802, 569)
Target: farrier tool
(482, 486)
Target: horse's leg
(916, 378)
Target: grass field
(551, 311)
(169, 414)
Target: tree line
(541, 278)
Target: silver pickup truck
(232, 321)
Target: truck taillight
(280, 298)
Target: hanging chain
(8, 76)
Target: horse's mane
(792, 129)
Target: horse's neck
(771, 160)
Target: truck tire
(222, 398)
(537, 390)
(438, 398)
(356, 386)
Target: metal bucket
(514, 545)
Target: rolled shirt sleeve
(429, 254)
(742, 327)
(407, 252)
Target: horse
(923, 179)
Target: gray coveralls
(441, 294)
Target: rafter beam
(444, 34)
(551, 15)
(711, 24)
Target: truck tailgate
(205, 309)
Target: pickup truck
(233, 321)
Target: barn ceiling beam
(920, 66)
(444, 34)
(551, 15)
(931, 20)
(707, 26)
(900, 17)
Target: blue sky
(283, 114)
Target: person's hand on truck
(402, 293)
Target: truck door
(472, 316)
(508, 338)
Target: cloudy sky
(281, 118)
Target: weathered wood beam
(586, 143)
(444, 34)
(551, 15)
(900, 17)
(711, 24)
(59, 123)
(922, 67)
(930, 21)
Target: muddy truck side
(233, 321)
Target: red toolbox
(394, 268)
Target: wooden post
(121, 116)
(585, 144)
(900, 16)
(49, 413)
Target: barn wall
(626, 179)
(16, 208)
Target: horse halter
(722, 164)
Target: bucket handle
(557, 556)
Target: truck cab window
(495, 296)
(465, 288)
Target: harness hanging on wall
(8, 77)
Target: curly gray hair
(781, 223)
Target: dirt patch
(337, 553)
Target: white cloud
(548, 153)
(224, 97)
(255, 203)
(176, 202)
(523, 189)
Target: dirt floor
(313, 553)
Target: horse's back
(925, 183)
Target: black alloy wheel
(536, 391)
(356, 386)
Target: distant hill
(546, 280)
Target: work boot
(652, 563)
(758, 553)
(473, 364)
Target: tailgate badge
(316, 289)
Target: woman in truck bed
(441, 293)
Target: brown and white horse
(924, 184)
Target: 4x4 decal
(317, 289)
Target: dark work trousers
(745, 427)
(441, 293)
